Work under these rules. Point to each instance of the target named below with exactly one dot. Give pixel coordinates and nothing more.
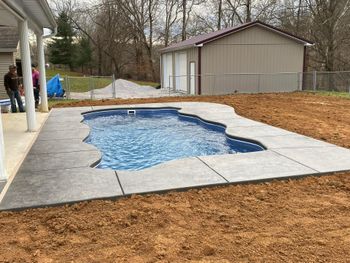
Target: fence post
(66, 84)
(214, 86)
(259, 83)
(91, 88)
(114, 87)
(169, 84)
(314, 80)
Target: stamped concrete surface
(58, 168)
(184, 173)
(60, 186)
(17, 140)
(2, 185)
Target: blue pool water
(150, 137)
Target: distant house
(246, 58)
(8, 46)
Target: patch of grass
(53, 72)
(80, 83)
(53, 102)
(332, 93)
(77, 81)
(84, 84)
(145, 83)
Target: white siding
(167, 69)
(6, 59)
(181, 73)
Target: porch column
(3, 174)
(27, 75)
(42, 71)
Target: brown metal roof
(205, 38)
(8, 39)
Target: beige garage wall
(254, 50)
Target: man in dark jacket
(11, 82)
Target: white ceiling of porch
(36, 11)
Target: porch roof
(37, 12)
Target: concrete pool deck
(17, 141)
(57, 169)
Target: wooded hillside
(123, 36)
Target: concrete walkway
(124, 89)
(57, 169)
(17, 140)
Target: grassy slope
(345, 95)
(79, 83)
(62, 72)
(145, 83)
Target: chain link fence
(222, 84)
(104, 87)
(88, 87)
(107, 87)
(336, 81)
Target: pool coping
(58, 169)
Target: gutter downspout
(42, 76)
(199, 68)
(41, 55)
(302, 80)
(45, 6)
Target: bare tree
(329, 29)
(171, 12)
(219, 14)
(187, 9)
(184, 23)
(140, 15)
(126, 34)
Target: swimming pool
(141, 138)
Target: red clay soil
(305, 220)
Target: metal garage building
(254, 57)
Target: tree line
(123, 37)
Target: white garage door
(181, 71)
(167, 64)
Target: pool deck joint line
(120, 185)
(57, 168)
(227, 181)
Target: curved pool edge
(182, 110)
(66, 172)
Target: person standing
(11, 83)
(36, 85)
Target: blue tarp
(54, 87)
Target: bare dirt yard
(305, 220)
